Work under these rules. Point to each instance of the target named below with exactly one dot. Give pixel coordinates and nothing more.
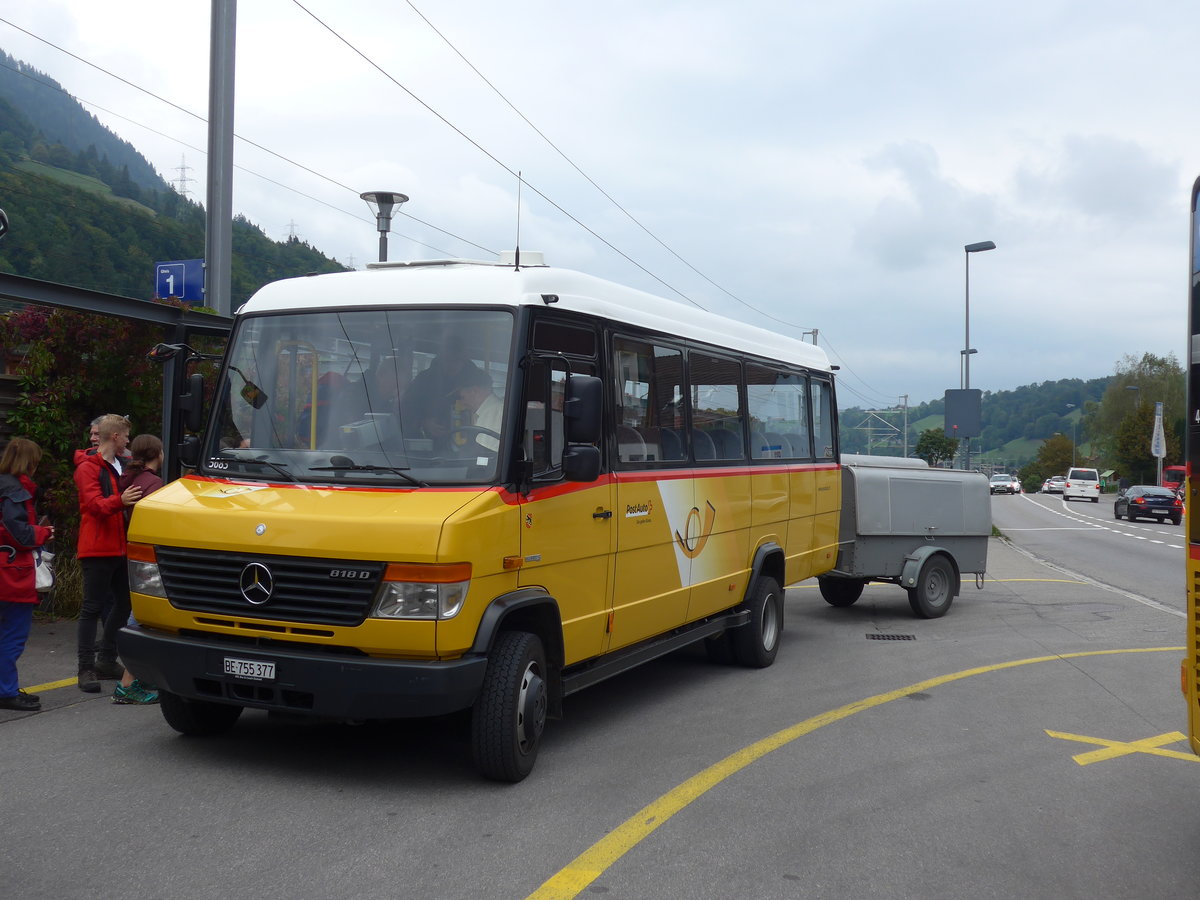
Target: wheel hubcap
(937, 588)
(770, 623)
(531, 708)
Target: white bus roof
(465, 282)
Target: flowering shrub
(73, 367)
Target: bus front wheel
(756, 643)
(510, 714)
(199, 718)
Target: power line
(462, 134)
(492, 156)
(202, 119)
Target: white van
(1082, 484)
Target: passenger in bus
(474, 392)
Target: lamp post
(967, 351)
(382, 203)
(1074, 435)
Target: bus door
(568, 532)
(654, 492)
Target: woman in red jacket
(101, 552)
(19, 536)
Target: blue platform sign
(182, 279)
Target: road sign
(182, 279)
(1158, 442)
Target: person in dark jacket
(101, 552)
(145, 459)
(19, 538)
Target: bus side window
(717, 415)
(573, 346)
(648, 387)
(824, 445)
(778, 408)
(543, 438)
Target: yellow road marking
(1113, 749)
(51, 685)
(592, 863)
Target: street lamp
(382, 203)
(1074, 435)
(967, 351)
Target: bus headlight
(413, 600)
(423, 592)
(144, 577)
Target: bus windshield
(371, 396)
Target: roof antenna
(517, 255)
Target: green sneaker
(134, 695)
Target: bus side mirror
(582, 410)
(581, 462)
(191, 404)
(189, 451)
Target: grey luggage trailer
(907, 524)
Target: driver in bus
(429, 401)
(474, 392)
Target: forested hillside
(1014, 422)
(86, 209)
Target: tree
(1053, 458)
(1131, 445)
(1138, 384)
(933, 446)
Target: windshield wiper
(349, 466)
(281, 468)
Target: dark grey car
(1146, 501)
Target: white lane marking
(1137, 598)
(1112, 529)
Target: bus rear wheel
(841, 591)
(756, 643)
(199, 718)
(510, 714)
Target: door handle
(602, 514)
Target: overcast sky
(793, 164)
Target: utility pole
(218, 237)
(904, 406)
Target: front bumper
(306, 682)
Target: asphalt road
(1025, 745)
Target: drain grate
(875, 636)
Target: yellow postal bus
(1190, 668)
(435, 486)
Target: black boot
(89, 683)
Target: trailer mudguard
(915, 560)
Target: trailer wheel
(199, 718)
(510, 713)
(756, 643)
(934, 591)
(841, 591)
